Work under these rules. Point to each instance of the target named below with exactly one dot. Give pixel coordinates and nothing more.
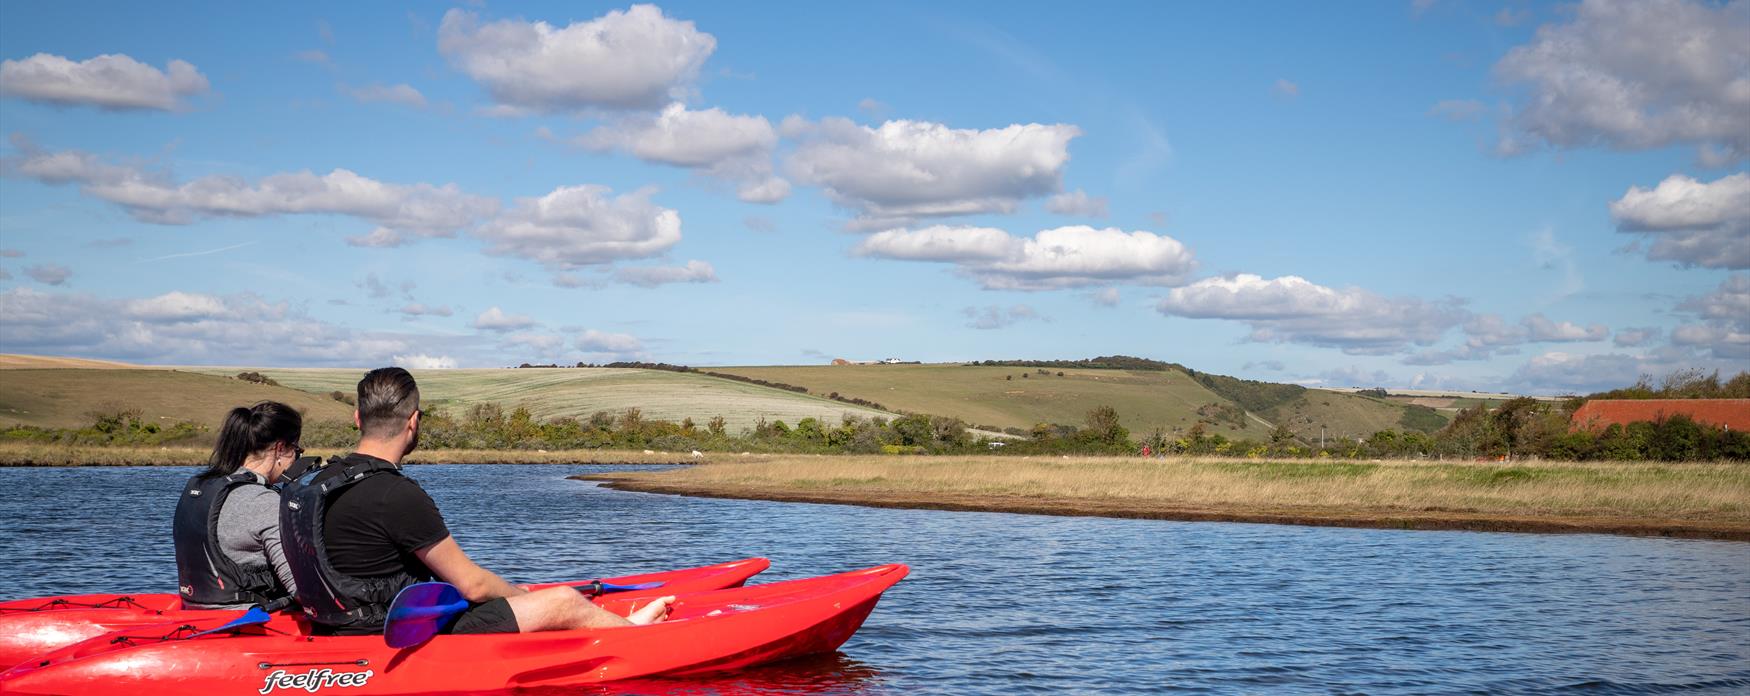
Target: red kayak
(706, 632)
(32, 627)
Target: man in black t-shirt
(386, 525)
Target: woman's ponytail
(250, 430)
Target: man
(358, 531)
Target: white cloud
(652, 276)
(421, 209)
(495, 319)
(49, 273)
(582, 225)
(402, 94)
(1077, 202)
(112, 81)
(183, 328)
(1635, 337)
(176, 306)
(711, 142)
(1107, 297)
(994, 317)
(593, 341)
(1507, 17)
(419, 309)
(1063, 257)
(1291, 309)
(1635, 74)
(1543, 329)
(1724, 330)
(421, 361)
(1571, 373)
(635, 59)
(1690, 222)
(910, 169)
(379, 238)
(541, 343)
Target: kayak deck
(34, 627)
(706, 631)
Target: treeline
(1107, 362)
(1685, 384)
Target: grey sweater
(249, 535)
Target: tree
(1103, 423)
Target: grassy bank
(20, 454)
(1686, 500)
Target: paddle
(425, 609)
(254, 616)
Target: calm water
(1011, 604)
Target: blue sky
(1446, 195)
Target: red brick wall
(1599, 414)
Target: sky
(1528, 197)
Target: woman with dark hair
(228, 553)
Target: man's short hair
(387, 397)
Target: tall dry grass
(25, 454)
(1700, 491)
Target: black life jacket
(333, 600)
(205, 575)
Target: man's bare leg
(561, 608)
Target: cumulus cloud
(1063, 257)
(1635, 337)
(1106, 297)
(1292, 309)
(578, 226)
(543, 344)
(183, 328)
(711, 142)
(1690, 222)
(49, 273)
(112, 81)
(421, 361)
(404, 95)
(1540, 328)
(994, 317)
(905, 170)
(495, 319)
(1724, 316)
(593, 341)
(1635, 74)
(1077, 202)
(419, 309)
(1561, 372)
(652, 276)
(635, 59)
(420, 209)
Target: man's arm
(447, 560)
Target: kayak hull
(33, 627)
(707, 631)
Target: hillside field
(68, 398)
(579, 392)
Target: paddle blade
(631, 588)
(421, 611)
(254, 616)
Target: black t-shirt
(373, 527)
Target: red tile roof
(1598, 414)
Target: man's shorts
(490, 617)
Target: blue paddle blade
(629, 588)
(254, 616)
(421, 611)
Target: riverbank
(1701, 500)
(22, 454)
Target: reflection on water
(1007, 604)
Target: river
(1013, 604)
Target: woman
(227, 530)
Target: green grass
(1344, 416)
(578, 392)
(67, 398)
(981, 395)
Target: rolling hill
(68, 398)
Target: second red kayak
(33, 627)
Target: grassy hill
(578, 392)
(1167, 398)
(67, 398)
(1003, 397)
